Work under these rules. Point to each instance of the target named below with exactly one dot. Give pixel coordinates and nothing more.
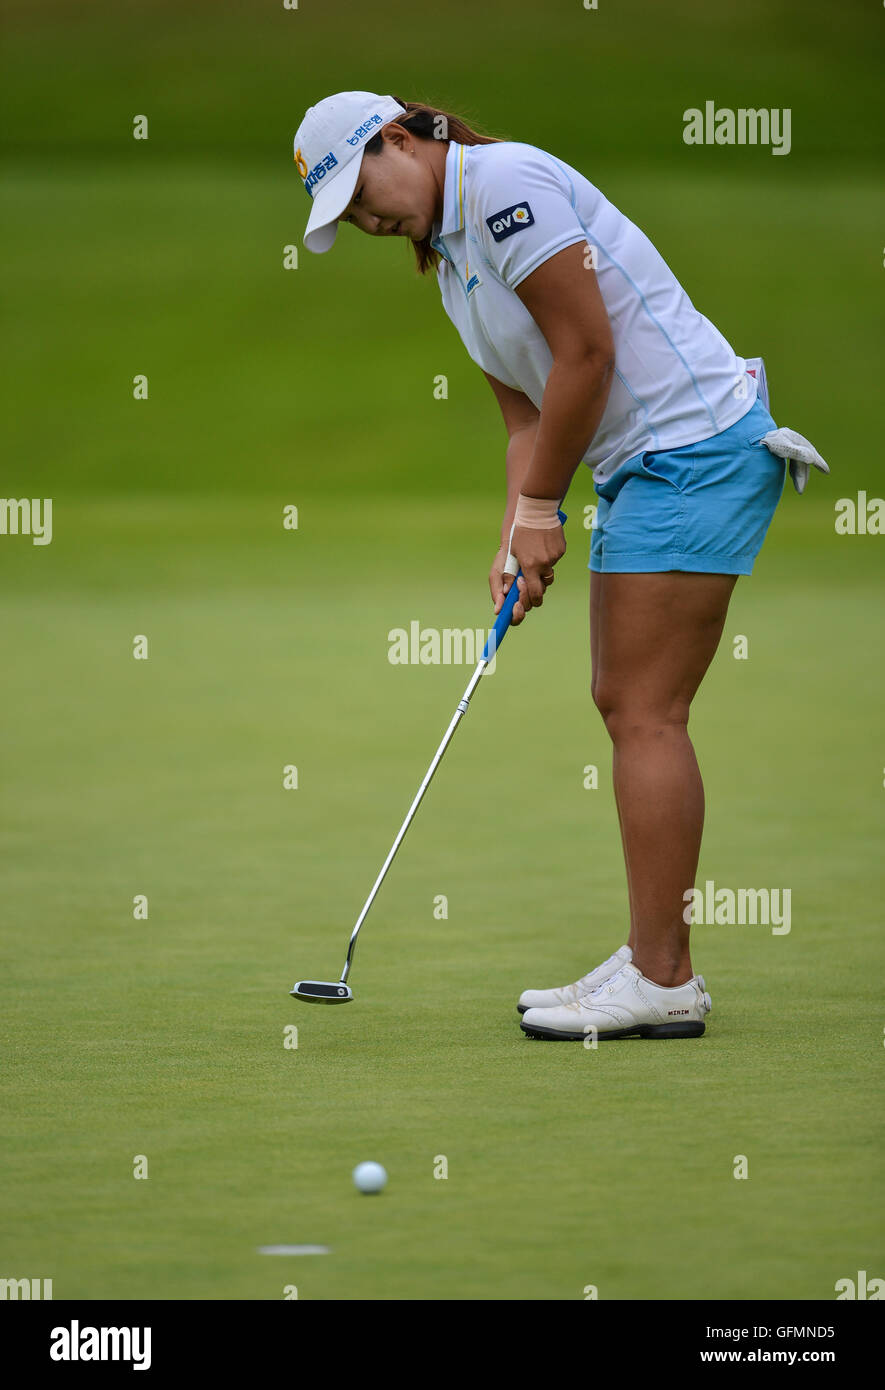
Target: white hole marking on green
(293, 1250)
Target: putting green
(166, 1038)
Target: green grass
(165, 1038)
(314, 387)
(320, 381)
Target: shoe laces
(594, 988)
(606, 984)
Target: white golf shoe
(570, 994)
(626, 1004)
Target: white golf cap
(329, 147)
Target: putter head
(321, 992)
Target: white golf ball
(370, 1177)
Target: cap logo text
(319, 171)
(368, 127)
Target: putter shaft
(496, 637)
(447, 738)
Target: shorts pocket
(672, 468)
(760, 422)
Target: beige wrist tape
(538, 513)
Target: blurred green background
(314, 387)
(165, 255)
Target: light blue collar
(453, 196)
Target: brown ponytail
(429, 123)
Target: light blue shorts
(705, 507)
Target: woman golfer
(595, 354)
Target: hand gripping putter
(339, 992)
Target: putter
(339, 991)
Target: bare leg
(597, 585)
(656, 636)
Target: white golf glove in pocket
(784, 443)
(788, 444)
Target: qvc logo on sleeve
(512, 219)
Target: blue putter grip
(505, 617)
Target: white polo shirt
(507, 208)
